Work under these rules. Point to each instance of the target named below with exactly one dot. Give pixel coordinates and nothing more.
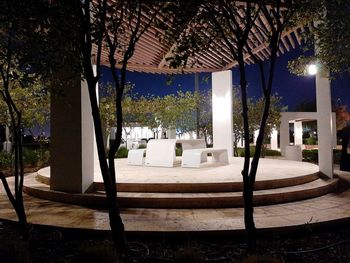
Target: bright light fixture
(312, 69)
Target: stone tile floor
(329, 208)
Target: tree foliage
(328, 25)
(255, 108)
(234, 23)
(107, 107)
(32, 103)
(114, 27)
(23, 27)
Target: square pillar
(298, 133)
(274, 139)
(222, 110)
(284, 134)
(324, 124)
(255, 136)
(72, 136)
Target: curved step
(187, 200)
(205, 187)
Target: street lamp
(312, 69)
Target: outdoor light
(311, 69)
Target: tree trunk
(249, 219)
(22, 219)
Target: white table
(192, 143)
(161, 152)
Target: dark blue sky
(291, 88)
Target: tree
(234, 23)
(107, 108)
(255, 107)
(238, 129)
(23, 29)
(342, 117)
(327, 25)
(205, 115)
(116, 27)
(177, 111)
(33, 104)
(173, 111)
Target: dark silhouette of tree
(23, 27)
(235, 23)
(115, 26)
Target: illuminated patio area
(288, 195)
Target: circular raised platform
(211, 186)
(211, 177)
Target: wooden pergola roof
(150, 55)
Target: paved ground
(326, 209)
(210, 172)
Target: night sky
(291, 88)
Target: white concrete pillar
(334, 130)
(7, 146)
(274, 139)
(255, 136)
(72, 150)
(94, 137)
(7, 133)
(222, 110)
(171, 133)
(324, 123)
(298, 133)
(89, 148)
(284, 134)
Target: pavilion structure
(72, 135)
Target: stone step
(280, 195)
(207, 187)
(226, 199)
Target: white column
(89, 149)
(255, 136)
(72, 152)
(7, 147)
(222, 110)
(298, 133)
(324, 124)
(94, 137)
(284, 134)
(274, 139)
(171, 133)
(334, 130)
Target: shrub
(5, 160)
(178, 151)
(122, 152)
(311, 141)
(241, 152)
(336, 156)
(30, 156)
(312, 156)
(45, 157)
(269, 152)
(264, 152)
(142, 146)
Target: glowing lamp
(312, 69)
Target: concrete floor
(329, 208)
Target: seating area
(161, 153)
(193, 158)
